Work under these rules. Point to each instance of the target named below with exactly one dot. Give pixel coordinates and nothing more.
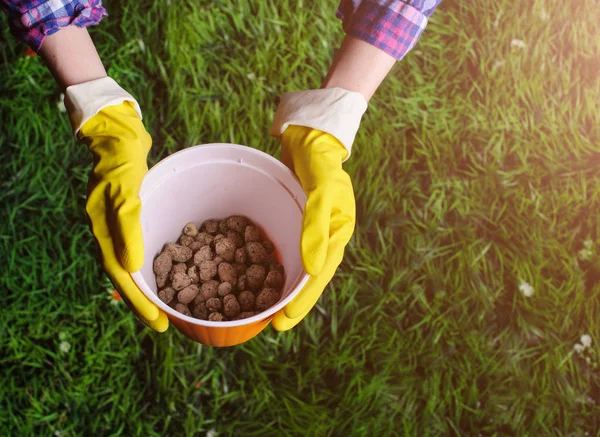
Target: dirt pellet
(237, 223)
(205, 253)
(210, 226)
(236, 237)
(200, 311)
(256, 252)
(178, 268)
(241, 282)
(216, 317)
(240, 256)
(210, 289)
(246, 300)
(246, 314)
(255, 275)
(276, 267)
(188, 294)
(240, 269)
(204, 238)
(266, 299)
(227, 273)
(180, 281)
(251, 234)
(192, 272)
(214, 304)
(218, 238)
(186, 240)
(166, 295)
(183, 309)
(199, 298)
(225, 248)
(179, 253)
(231, 306)
(163, 263)
(161, 280)
(190, 229)
(274, 279)
(269, 247)
(196, 245)
(208, 270)
(224, 288)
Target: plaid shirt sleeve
(393, 26)
(33, 20)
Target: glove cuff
(85, 100)
(335, 111)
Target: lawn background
(475, 171)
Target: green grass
(475, 169)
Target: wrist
(359, 67)
(71, 57)
(85, 100)
(335, 111)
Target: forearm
(378, 33)
(72, 57)
(358, 66)
(32, 21)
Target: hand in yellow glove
(330, 213)
(317, 129)
(119, 144)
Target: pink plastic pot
(216, 181)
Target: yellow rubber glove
(119, 144)
(329, 217)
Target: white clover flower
(498, 63)
(61, 103)
(585, 254)
(518, 43)
(497, 20)
(526, 289)
(64, 346)
(578, 348)
(212, 433)
(586, 340)
(251, 76)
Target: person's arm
(69, 54)
(317, 129)
(31, 21)
(108, 120)
(71, 57)
(359, 67)
(378, 33)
